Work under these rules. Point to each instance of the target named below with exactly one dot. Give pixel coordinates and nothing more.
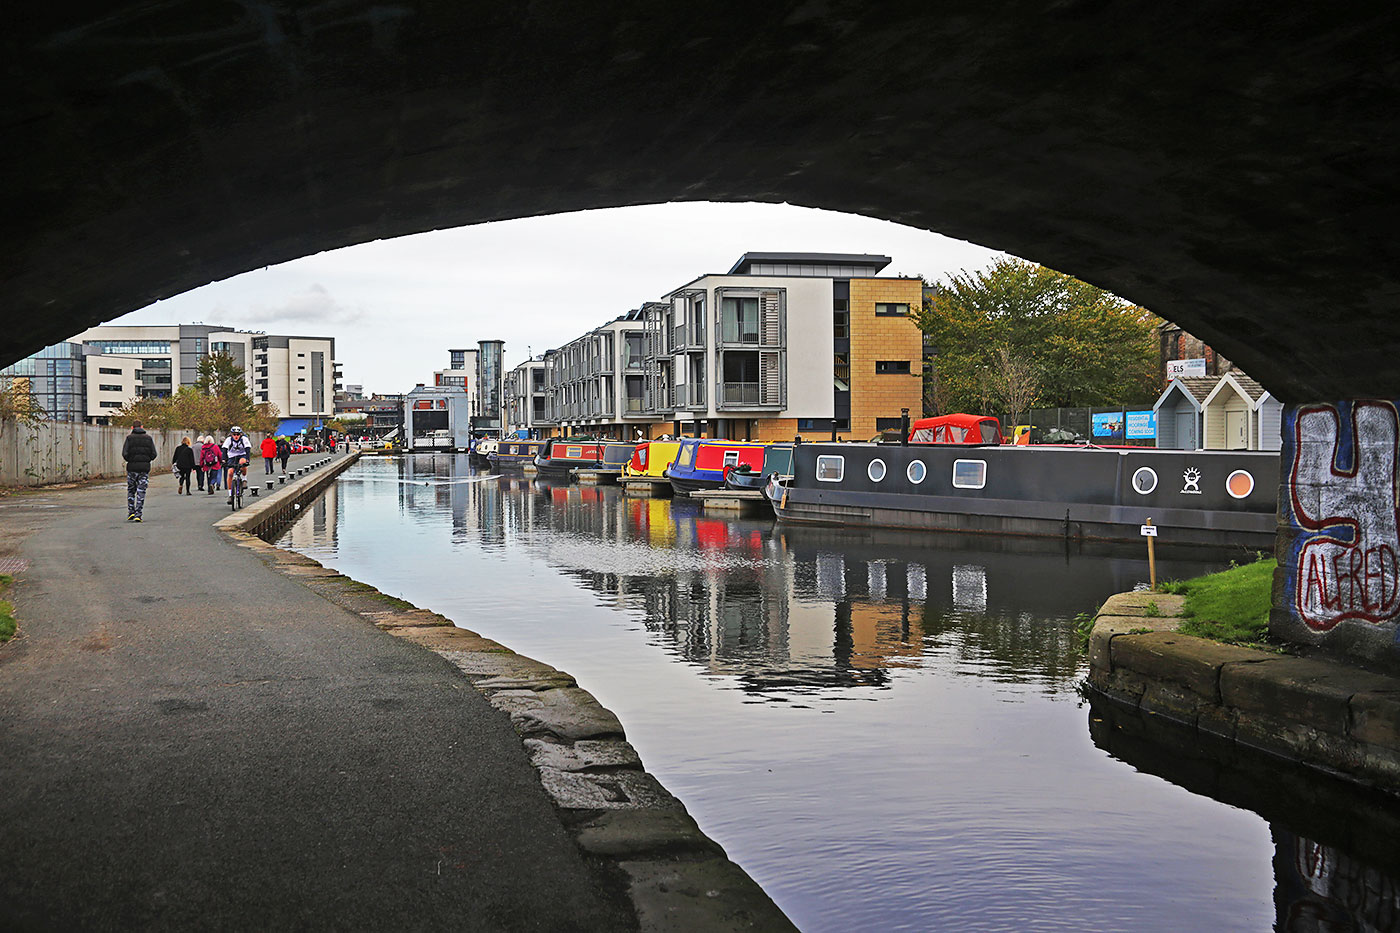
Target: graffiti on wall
(1342, 493)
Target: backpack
(208, 455)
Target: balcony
(635, 406)
(739, 393)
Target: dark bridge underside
(1232, 167)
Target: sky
(395, 307)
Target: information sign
(1177, 368)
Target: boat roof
(961, 420)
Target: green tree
(1018, 334)
(218, 400)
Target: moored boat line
(1193, 497)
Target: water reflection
(1335, 861)
(960, 791)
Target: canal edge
(1311, 712)
(633, 832)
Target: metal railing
(739, 393)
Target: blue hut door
(1186, 430)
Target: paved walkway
(188, 740)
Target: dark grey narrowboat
(1198, 497)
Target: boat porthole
(1144, 480)
(916, 472)
(1239, 484)
(876, 470)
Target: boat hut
(1269, 413)
(1232, 415)
(1179, 412)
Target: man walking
(139, 452)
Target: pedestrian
(184, 465)
(269, 452)
(284, 450)
(198, 470)
(139, 452)
(331, 441)
(211, 461)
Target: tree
(218, 400)
(1019, 334)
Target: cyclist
(237, 450)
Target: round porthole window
(1239, 484)
(916, 472)
(1144, 480)
(876, 471)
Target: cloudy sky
(396, 306)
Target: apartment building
(298, 375)
(526, 400)
(781, 344)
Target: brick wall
(878, 338)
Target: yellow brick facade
(877, 338)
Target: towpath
(188, 740)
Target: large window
(739, 320)
(134, 347)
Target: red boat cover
(956, 429)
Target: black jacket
(138, 450)
(184, 458)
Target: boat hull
(1088, 494)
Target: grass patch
(1231, 606)
(8, 624)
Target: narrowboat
(616, 457)
(651, 458)
(1195, 497)
(483, 449)
(513, 454)
(559, 457)
(777, 459)
(702, 462)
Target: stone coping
(1321, 713)
(627, 825)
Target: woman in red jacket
(269, 451)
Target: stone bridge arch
(1230, 166)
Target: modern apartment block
(298, 375)
(526, 400)
(781, 344)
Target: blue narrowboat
(701, 463)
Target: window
(301, 391)
(831, 469)
(901, 310)
(109, 388)
(1144, 480)
(739, 317)
(876, 470)
(892, 367)
(731, 458)
(841, 372)
(841, 324)
(109, 372)
(969, 474)
(109, 404)
(917, 472)
(301, 354)
(889, 424)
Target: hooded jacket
(138, 450)
(269, 448)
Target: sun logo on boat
(1191, 479)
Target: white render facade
(526, 400)
(296, 374)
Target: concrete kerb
(1319, 713)
(628, 826)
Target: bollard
(281, 479)
(253, 490)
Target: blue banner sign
(1108, 426)
(1141, 425)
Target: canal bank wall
(1319, 713)
(626, 824)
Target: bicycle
(235, 485)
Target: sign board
(1177, 368)
(1149, 531)
(1140, 425)
(1108, 426)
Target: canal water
(885, 729)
